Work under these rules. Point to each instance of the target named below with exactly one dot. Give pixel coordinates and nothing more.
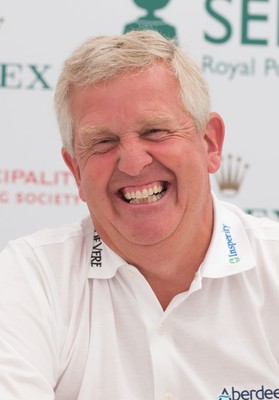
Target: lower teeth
(149, 199)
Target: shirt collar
(230, 251)
(104, 262)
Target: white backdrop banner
(236, 44)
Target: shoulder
(51, 248)
(59, 236)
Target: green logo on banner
(150, 20)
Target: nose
(133, 157)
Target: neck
(169, 266)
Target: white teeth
(149, 199)
(160, 188)
(146, 195)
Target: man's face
(140, 164)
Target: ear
(73, 166)
(214, 137)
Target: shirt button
(131, 273)
(168, 396)
(161, 330)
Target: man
(164, 292)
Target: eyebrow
(90, 129)
(156, 119)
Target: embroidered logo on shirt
(233, 256)
(96, 254)
(225, 395)
(260, 393)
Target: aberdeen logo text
(261, 394)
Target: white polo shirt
(78, 323)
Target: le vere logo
(150, 20)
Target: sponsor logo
(246, 68)
(225, 395)
(242, 23)
(150, 20)
(254, 394)
(15, 75)
(233, 256)
(230, 69)
(31, 187)
(247, 21)
(229, 180)
(45, 178)
(231, 175)
(96, 254)
(20, 76)
(263, 212)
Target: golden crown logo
(231, 175)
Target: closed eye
(103, 145)
(155, 134)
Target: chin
(147, 238)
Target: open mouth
(148, 194)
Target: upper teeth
(144, 193)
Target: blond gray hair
(104, 57)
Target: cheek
(184, 158)
(94, 181)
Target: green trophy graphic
(150, 21)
